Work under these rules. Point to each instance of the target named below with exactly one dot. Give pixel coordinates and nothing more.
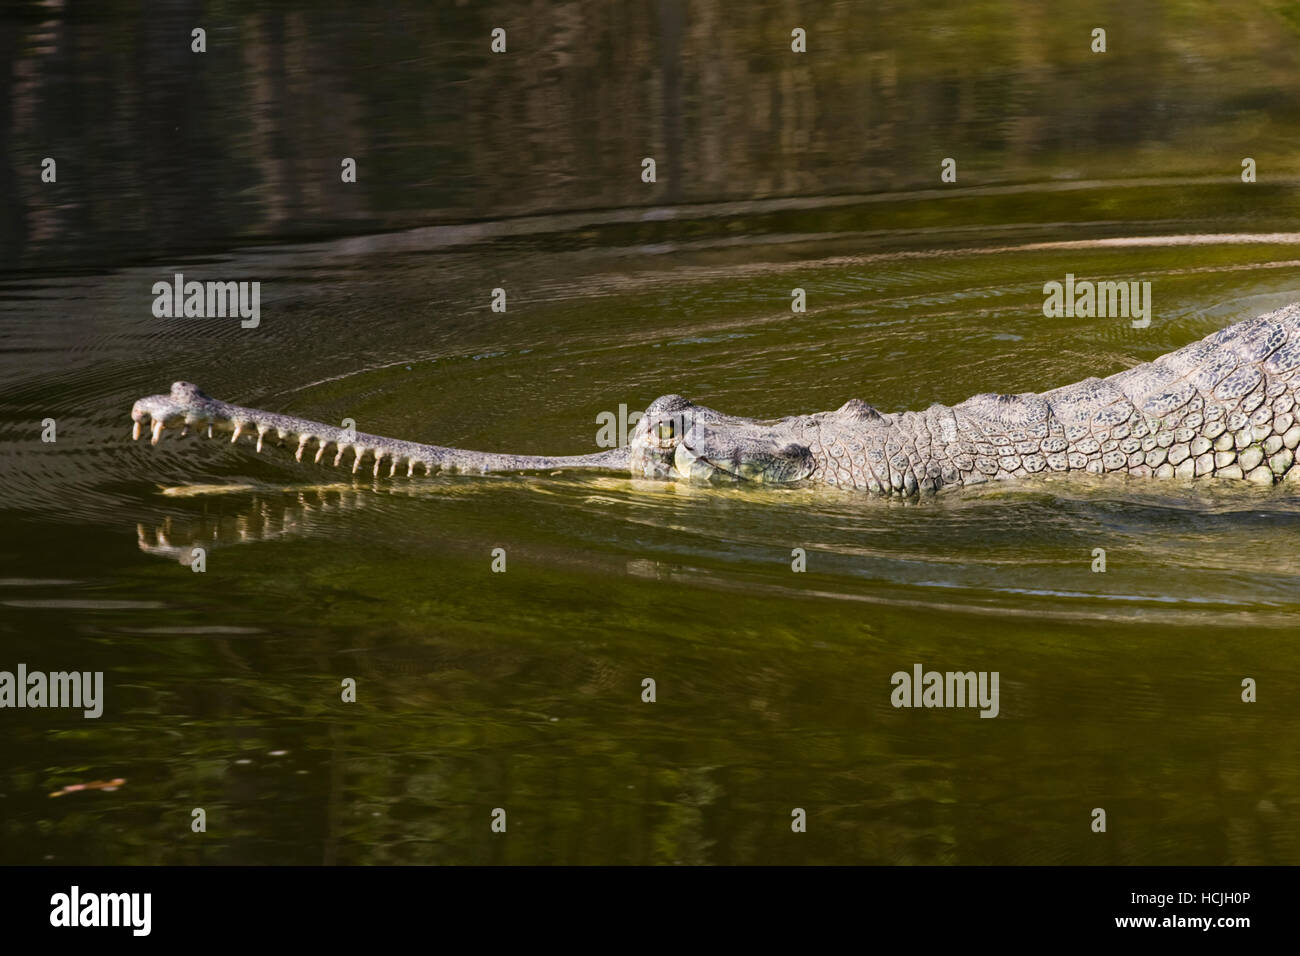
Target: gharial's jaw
(720, 454)
(186, 408)
(677, 439)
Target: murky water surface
(522, 690)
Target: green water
(522, 690)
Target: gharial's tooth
(356, 462)
(135, 431)
(393, 468)
(321, 450)
(302, 443)
(209, 429)
(157, 431)
(339, 457)
(239, 427)
(261, 431)
(379, 457)
(410, 467)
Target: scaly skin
(1223, 407)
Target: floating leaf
(108, 786)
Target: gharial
(1223, 407)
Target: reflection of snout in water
(261, 516)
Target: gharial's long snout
(187, 408)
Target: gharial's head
(676, 438)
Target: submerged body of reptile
(1223, 407)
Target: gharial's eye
(666, 431)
